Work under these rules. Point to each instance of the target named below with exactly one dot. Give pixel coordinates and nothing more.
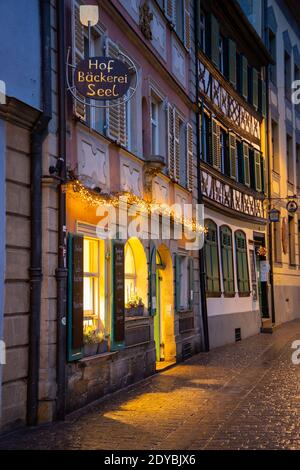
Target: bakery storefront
(130, 303)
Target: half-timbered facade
(232, 102)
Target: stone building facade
(144, 150)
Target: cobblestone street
(241, 396)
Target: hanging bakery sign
(102, 78)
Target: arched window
(130, 273)
(242, 263)
(212, 259)
(227, 260)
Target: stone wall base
(92, 378)
(222, 327)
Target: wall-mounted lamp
(89, 15)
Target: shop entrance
(164, 335)
(262, 274)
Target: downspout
(269, 193)
(202, 275)
(38, 136)
(61, 271)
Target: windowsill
(244, 294)
(229, 296)
(100, 357)
(292, 266)
(213, 294)
(136, 318)
(184, 311)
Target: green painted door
(157, 328)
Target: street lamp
(89, 16)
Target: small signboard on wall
(118, 294)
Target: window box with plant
(94, 341)
(135, 307)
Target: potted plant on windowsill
(94, 341)
(134, 307)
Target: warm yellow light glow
(77, 189)
(89, 13)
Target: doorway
(262, 274)
(164, 335)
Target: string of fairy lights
(91, 198)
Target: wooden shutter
(191, 282)
(227, 260)
(118, 295)
(214, 40)
(176, 145)
(78, 54)
(116, 116)
(242, 263)
(246, 164)
(187, 24)
(244, 76)
(257, 163)
(75, 297)
(212, 259)
(189, 156)
(232, 155)
(177, 281)
(263, 98)
(170, 10)
(263, 173)
(152, 279)
(255, 88)
(232, 62)
(170, 125)
(216, 154)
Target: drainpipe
(269, 193)
(38, 136)
(61, 271)
(202, 274)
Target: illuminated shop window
(93, 285)
(130, 274)
(136, 276)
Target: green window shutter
(118, 295)
(244, 76)
(255, 88)
(214, 40)
(191, 282)
(241, 175)
(232, 62)
(232, 155)
(215, 133)
(75, 297)
(257, 163)
(242, 263)
(263, 173)
(227, 260)
(212, 259)
(246, 164)
(152, 279)
(177, 281)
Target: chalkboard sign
(77, 290)
(118, 293)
